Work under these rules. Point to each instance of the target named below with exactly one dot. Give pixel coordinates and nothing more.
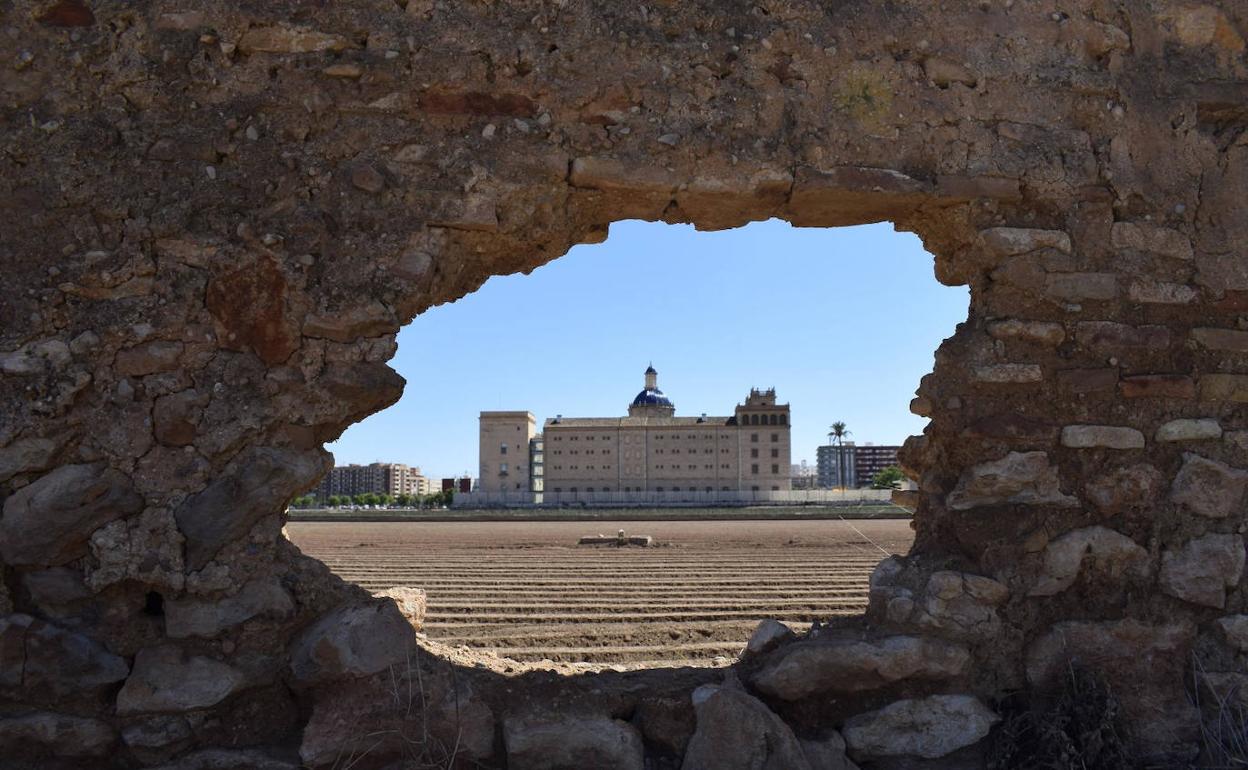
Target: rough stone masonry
(215, 216)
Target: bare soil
(527, 592)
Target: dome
(651, 397)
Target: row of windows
(774, 453)
(764, 419)
(754, 438)
(774, 468)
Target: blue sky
(842, 322)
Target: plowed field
(526, 590)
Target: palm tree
(837, 436)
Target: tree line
(403, 500)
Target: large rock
(262, 597)
(565, 742)
(1209, 488)
(44, 660)
(811, 667)
(168, 680)
(353, 641)
(255, 485)
(737, 731)
(1019, 478)
(1202, 570)
(47, 523)
(929, 728)
(1110, 554)
(58, 734)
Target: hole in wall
(841, 322)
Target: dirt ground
(526, 591)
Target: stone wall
(217, 215)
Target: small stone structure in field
(218, 215)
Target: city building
(507, 460)
(377, 478)
(804, 476)
(834, 466)
(870, 459)
(858, 462)
(651, 450)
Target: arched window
(772, 420)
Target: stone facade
(653, 450)
(506, 464)
(218, 215)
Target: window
(558, 489)
(502, 449)
(754, 470)
(775, 488)
(754, 452)
(775, 468)
(502, 468)
(771, 420)
(754, 437)
(784, 419)
(754, 488)
(775, 453)
(775, 437)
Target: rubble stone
(26, 455)
(207, 618)
(410, 601)
(810, 667)
(1209, 488)
(768, 635)
(737, 731)
(62, 735)
(168, 680)
(256, 486)
(354, 640)
(960, 605)
(929, 728)
(1201, 429)
(564, 742)
(1109, 553)
(42, 659)
(1235, 628)
(1019, 478)
(47, 523)
(1202, 570)
(1107, 436)
(1124, 488)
